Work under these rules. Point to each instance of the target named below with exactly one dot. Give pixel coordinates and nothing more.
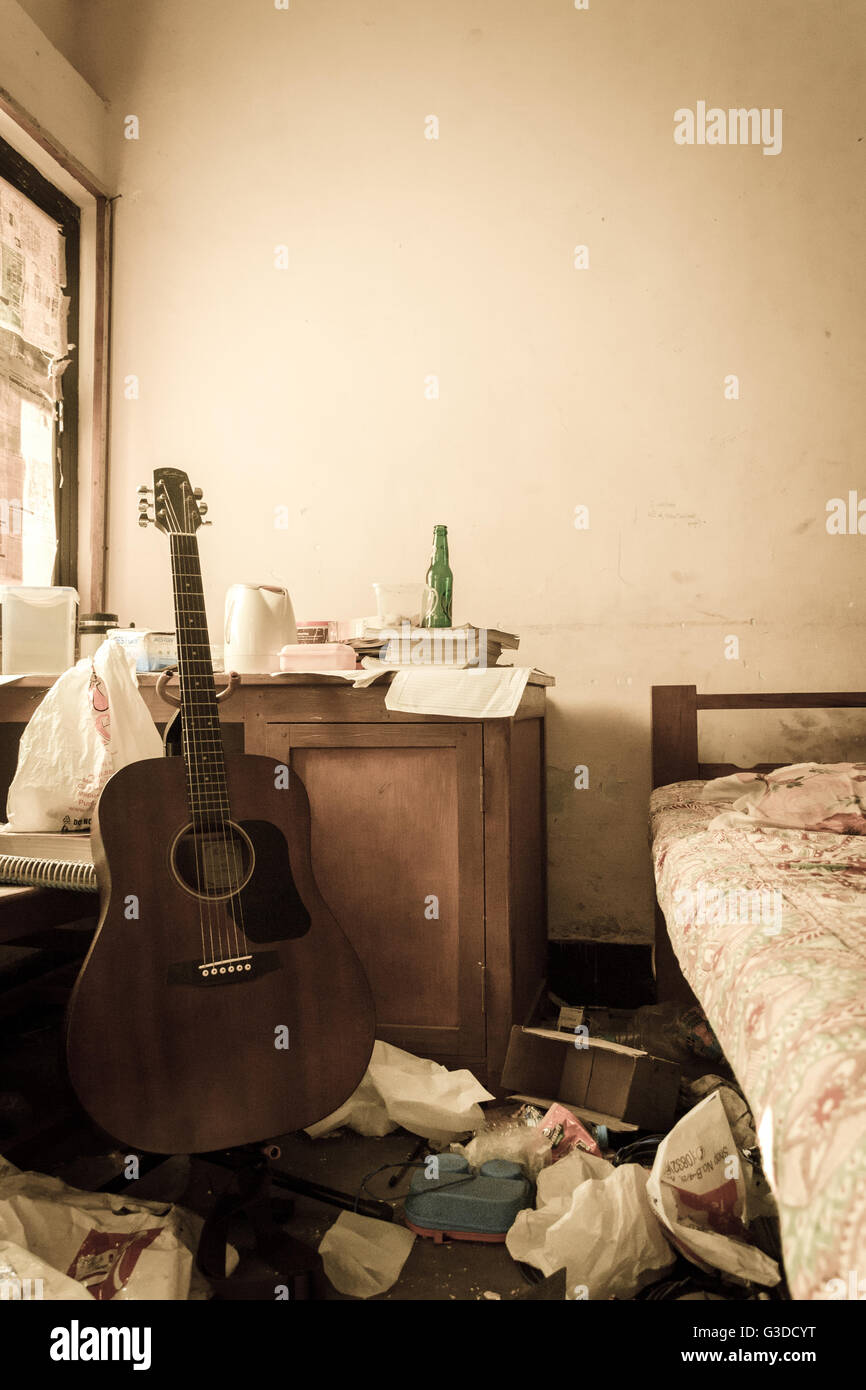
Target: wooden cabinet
(398, 851)
(428, 843)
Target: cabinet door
(397, 850)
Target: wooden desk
(25, 912)
(428, 841)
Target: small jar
(315, 630)
(93, 628)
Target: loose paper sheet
(479, 694)
(362, 1256)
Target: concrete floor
(454, 1270)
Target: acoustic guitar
(220, 1003)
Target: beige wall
(42, 92)
(41, 79)
(558, 387)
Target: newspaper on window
(33, 355)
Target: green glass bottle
(440, 583)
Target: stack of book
(461, 647)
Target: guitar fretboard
(202, 738)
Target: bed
(784, 989)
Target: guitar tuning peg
(144, 520)
(202, 508)
(143, 489)
(197, 493)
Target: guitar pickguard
(269, 908)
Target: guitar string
(217, 791)
(201, 797)
(216, 738)
(203, 906)
(186, 734)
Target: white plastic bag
(700, 1191)
(91, 723)
(595, 1220)
(59, 1242)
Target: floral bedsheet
(769, 926)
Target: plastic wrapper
(532, 1138)
(103, 1245)
(700, 1190)
(529, 1147)
(92, 722)
(566, 1133)
(401, 1089)
(736, 1106)
(595, 1221)
(675, 1032)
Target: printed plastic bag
(91, 723)
(700, 1190)
(59, 1242)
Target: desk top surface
(264, 681)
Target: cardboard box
(153, 651)
(603, 1082)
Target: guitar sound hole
(213, 864)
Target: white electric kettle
(259, 621)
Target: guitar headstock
(177, 506)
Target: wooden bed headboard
(675, 710)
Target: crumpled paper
(700, 1189)
(401, 1089)
(362, 1256)
(595, 1220)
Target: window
(39, 250)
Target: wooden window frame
(21, 174)
(92, 471)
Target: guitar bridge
(233, 970)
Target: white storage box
(39, 626)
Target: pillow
(804, 796)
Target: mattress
(769, 927)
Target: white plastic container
(39, 628)
(317, 656)
(396, 602)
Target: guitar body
(202, 1023)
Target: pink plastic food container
(317, 656)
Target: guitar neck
(202, 737)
